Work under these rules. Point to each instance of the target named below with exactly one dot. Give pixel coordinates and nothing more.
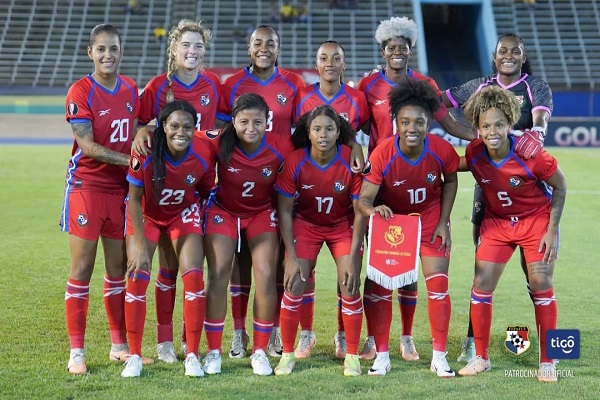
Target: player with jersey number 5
(163, 200)
(414, 172)
(317, 194)
(524, 201)
(102, 110)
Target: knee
(540, 281)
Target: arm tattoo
(557, 204)
(85, 139)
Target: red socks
(194, 307)
(291, 307)
(239, 304)
(77, 295)
(135, 310)
(262, 333)
(408, 305)
(164, 293)
(114, 304)
(546, 313)
(381, 314)
(352, 311)
(439, 308)
(481, 315)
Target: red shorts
(189, 221)
(221, 222)
(500, 237)
(89, 215)
(309, 239)
(428, 223)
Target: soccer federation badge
(517, 340)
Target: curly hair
(396, 27)
(414, 92)
(185, 25)
(301, 136)
(492, 97)
(160, 144)
(229, 137)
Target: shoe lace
(380, 363)
(409, 345)
(211, 357)
(276, 342)
(77, 358)
(442, 363)
(260, 359)
(237, 342)
(304, 341)
(192, 360)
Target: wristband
(540, 130)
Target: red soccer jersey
(350, 103)
(278, 91)
(411, 186)
(325, 194)
(203, 94)
(113, 115)
(377, 88)
(245, 186)
(182, 179)
(514, 187)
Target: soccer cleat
(193, 367)
(547, 372)
(440, 366)
(166, 352)
(120, 353)
(369, 351)
(468, 350)
(352, 365)
(260, 363)
(476, 366)
(407, 348)
(76, 365)
(382, 365)
(133, 366)
(339, 340)
(306, 344)
(286, 364)
(275, 346)
(184, 348)
(239, 343)
(212, 362)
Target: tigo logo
(562, 343)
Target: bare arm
(354, 267)
(144, 135)
(286, 229)
(137, 251)
(541, 118)
(368, 192)
(457, 128)
(559, 193)
(84, 135)
(462, 165)
(443, 227)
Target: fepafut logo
(562, 343)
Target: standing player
(511, 70)
(351, 104)
(163, 200)
(524, 201)
(102, 109)
(278, 87)
(397, 37)
(414, 172)
(247, 167)
(317, 177)
(185, 79)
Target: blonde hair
(492, 97)
(397, 27)
(185, 25)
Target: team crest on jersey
(514, 181)
(190, 179)
(72, 108)
(267, 172)
(213, 133)
(431, 177)
(339, 186)
(367, 169)
(204, 100)
(345, 116)
(135, 164)
(217, 219)
(520, 99)
(281, 99)
(82, 219)
(129, 108)
(517, 340)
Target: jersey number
(504, 199)
(324, 204)
(170, 196)
(120, 131)
(417, 195)
(199, 120)
(191, 214)
(269, 127)
(248, 187)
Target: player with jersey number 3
(524, 201)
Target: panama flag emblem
(517, 339)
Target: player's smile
(250, 125)
(179, 129)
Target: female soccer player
(185, 79)
(163, 200)
(351, 105)
(318, 185)
(511, 70)
(397, 37)
(414, 172)
(242, 207)
(524, 201)
(102, 109)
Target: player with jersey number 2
(524, 201)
